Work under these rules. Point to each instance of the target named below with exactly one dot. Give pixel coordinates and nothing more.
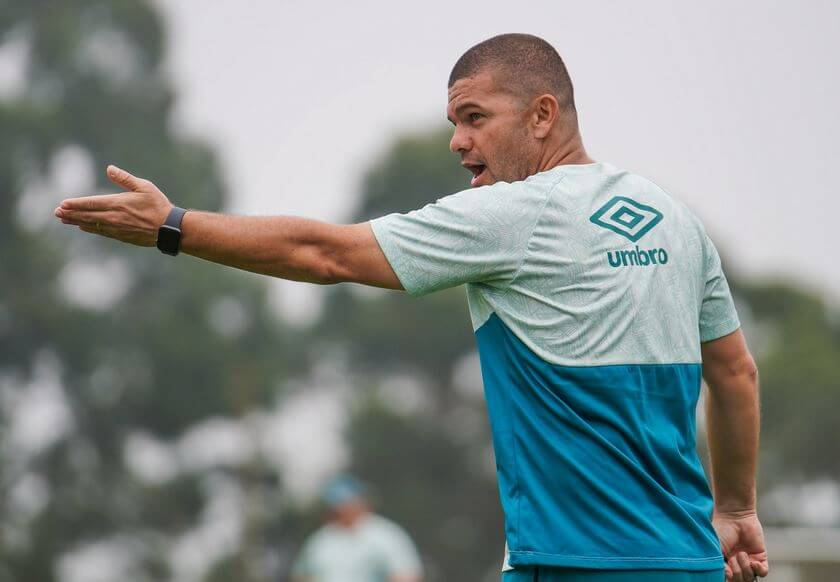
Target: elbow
(307, 264)
(338, 264)
(741, 371)
(329, 269)
(745, 367)
(328, 274)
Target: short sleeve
(477, 235)
(400, 555)
(717, 312)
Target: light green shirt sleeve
(477, 235)
(717, 312)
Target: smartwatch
(169, 234)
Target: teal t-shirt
(375, 550)
(590, 290)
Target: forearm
(280, 246)
(732, 417)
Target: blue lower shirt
(590, 290)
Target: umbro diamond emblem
(627, 217)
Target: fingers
(737, 575)
(107, 201)
(741, 568)
(746, 567)
(103, 202)
(760, 567)
(80, 217)
(122, 178)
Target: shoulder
(677, 216)
(671, 202)
(320, 536)
(384, 527)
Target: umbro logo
(627, 217)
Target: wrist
(169, 233)
(189, 230)
(734, 512)
(735, 496)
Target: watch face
(168, 239)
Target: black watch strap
(169, 234)
(176, 215)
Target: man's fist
(133, 216)
(742, 542)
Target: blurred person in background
(356, 545)
(597, 300)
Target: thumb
(122, 178)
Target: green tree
(168, 344)
(798, 346)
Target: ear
(544, 115)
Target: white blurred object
(218, 534)
(95, 285)
(14, 64)
(38, 412)
(149, 460)
(815, 503)
(228, 317)
(216, 442)
(303, 437)
(104, 560)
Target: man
(594, 296)
(356, 545)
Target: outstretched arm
(732, 415)
(281, 246)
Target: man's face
(491, 131)
(349, 512)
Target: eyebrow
(461, 107)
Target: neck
(567, 151)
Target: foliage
(798, 341)
(153, 360)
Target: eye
(475, 116)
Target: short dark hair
(524, 63)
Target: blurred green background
(156, 415)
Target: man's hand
(133, 216)
(742, 542)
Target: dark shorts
(541, 574)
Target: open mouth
(477, 171)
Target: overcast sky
(731, 106)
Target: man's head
(512, 104)
(345, 498)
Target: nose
(460, 141)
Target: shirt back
(590, 290)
